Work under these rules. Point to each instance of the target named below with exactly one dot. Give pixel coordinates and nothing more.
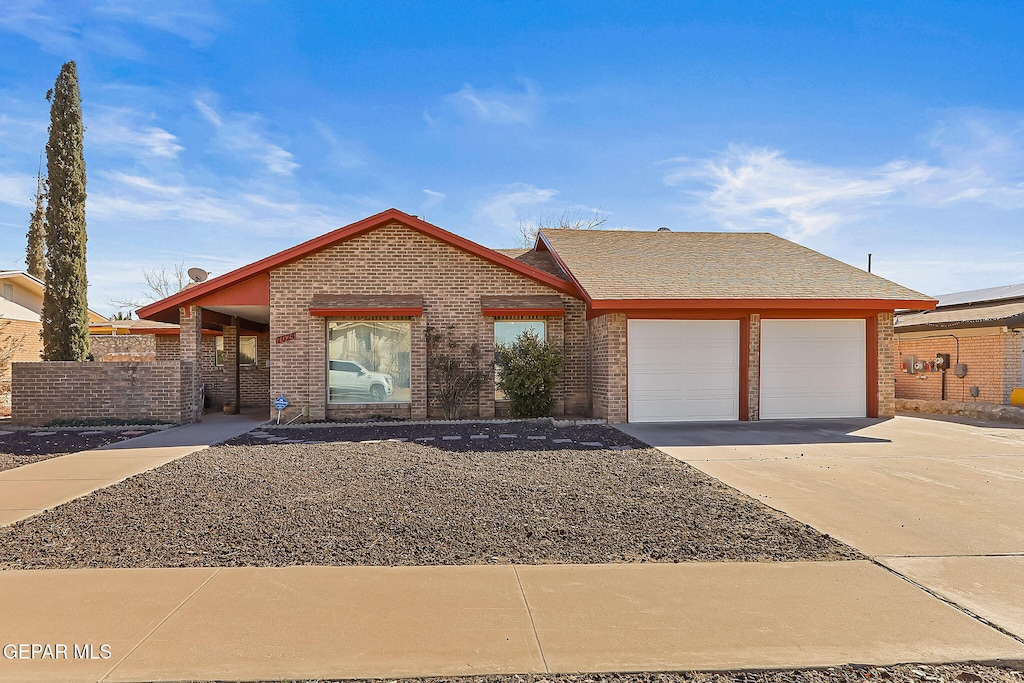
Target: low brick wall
(64, 390)
(979, 411)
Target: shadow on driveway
(760, 433)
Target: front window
(246, 350)
(368, 362)
(505, 332)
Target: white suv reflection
(351, 379)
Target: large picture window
(368, 362)
(505, 332)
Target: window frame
(499, 397)
(219, 352)
(334, 403)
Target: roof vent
(664, 229)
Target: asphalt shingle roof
(620, 264)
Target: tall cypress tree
(35, 250)
(65, 307)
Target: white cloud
(120, 128)
(18, 189)
(433, 199)
(110, 27)
(239, 132)
(194, 20)
(762, 189)
(513, 206)
(496, 106)
(341, 153)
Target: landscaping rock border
(979, 411)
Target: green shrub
(527, 371)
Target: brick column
(886, 365)
(608, 363)
(191, 345)
(232, 395)
(485, 339)
(754, 367)
(418, 368)
(315, 344)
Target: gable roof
(265, 265)
(677, 269)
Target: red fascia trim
(627, 305)
(542, 242)
(348, 312)
(348, 232)
(538, 312)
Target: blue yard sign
(280, 403)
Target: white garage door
(813, 368)
(683, 370)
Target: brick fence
(65, 390)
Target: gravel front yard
(21, 447)
(458, 501)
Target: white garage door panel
(813, 368)
(683, 370)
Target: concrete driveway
(938, 501)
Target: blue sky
(223, 132)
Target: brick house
(981, 329)
(21, 305)
(655, 326)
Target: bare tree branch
(160, 284)
(571, 219)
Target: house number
(284, 337)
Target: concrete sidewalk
(28, 490)
(359, 622)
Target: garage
(813, 368)
(683, 370)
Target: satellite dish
(197, 274)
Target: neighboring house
(21, 305)
(655, 326)
(981, 329)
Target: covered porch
(223, 345)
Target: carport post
(190, 344)
(231, 379)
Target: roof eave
(761, 303)
(342, 234)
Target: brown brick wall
(754, 367)
(608, 367)
(993, 365)
(59, 390)
(886, 365)
(398, 260)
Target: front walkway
(28, 490)
(362, 622)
